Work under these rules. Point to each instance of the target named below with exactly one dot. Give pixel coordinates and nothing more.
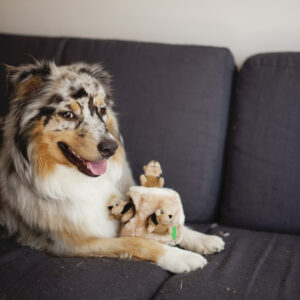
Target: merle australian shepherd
(62, 157)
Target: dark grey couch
(229, 143)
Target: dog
(62, 157)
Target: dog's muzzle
(107, 148)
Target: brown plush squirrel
(152, 178)
(160, 222)
(119, 209)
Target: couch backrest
(263, 172)
(172, 101)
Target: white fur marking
(200, 242)
(177, 260)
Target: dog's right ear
(24, 80)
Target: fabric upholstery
(172, 101)
(262, 177)
(31, 274)
(173, 104)
(254, 265)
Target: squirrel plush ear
(23, 80)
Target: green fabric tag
(174, 233)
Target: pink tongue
(97, 168)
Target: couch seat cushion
(254, 265)
(31, 274)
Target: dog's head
(62, 115)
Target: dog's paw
(177, 260)
(200, 242)
(208, 244)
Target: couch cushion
(254, 265)
(172, 101)
(262, 179)
(31, 274)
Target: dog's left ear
(24, 80)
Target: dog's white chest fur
(83, 199)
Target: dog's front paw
(208, 244)
(200, 242)
(177, 260)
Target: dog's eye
(102, 111)
(161, 211)
(117, 203)
(68, 115)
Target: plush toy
(153, 212)
(119, 209)
(160, 222)
(162, 202)
(152, 178)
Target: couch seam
(256, 65)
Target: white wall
(244, 26)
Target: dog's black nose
(107, 148)
(170, 216)
(110, 207)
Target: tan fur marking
(113, 247)
(75, 107)
(47, 153)
(29, 86)
(99, 101)
(112, 128)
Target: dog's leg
(173, 259)
(201, 243)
